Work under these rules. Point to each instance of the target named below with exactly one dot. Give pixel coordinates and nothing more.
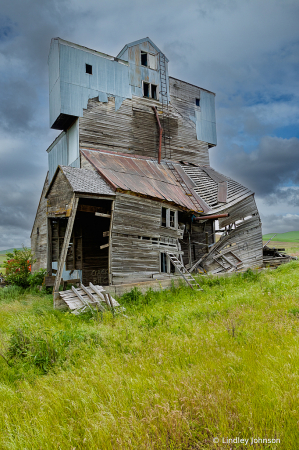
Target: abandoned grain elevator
(129, 188)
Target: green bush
(37, 278)
(18, 267)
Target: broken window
(169, 218)
(163, 262)
(152, 60)
(146, 90)
(197, 102)
(163, 221)
(88, 69)
(154, 91)
(144, 59)
(172, 219)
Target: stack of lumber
(89, 297)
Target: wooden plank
(83, 300)
(92, 297)
(106, 233)
(66, 242)
(104, 246)
(103, 215)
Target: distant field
(9, 250)
(291, 236)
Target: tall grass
(182, 369)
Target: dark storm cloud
(279, 223)
(246, 52)
(274, 163)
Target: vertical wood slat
(49, 250)
(66, 242)
(110, 244)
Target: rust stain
(141, 176)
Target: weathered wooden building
(129, 185)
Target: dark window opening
(37, 231)
(144, 59)
(172, 268)
(146, 89)
(163, 222)
(154, 91)
(88, 69)
(163, 263)
(172, 219)
(197, 101)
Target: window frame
(168, 210)
(149, 56)
(150, 90)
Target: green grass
(182, 368)
(290, 236)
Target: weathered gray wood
(65, 246)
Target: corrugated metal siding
(58, 155)
(75, 86)
(206, 118)
(138, 73)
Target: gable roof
(140, 41)
(145, 177)
(83, 181)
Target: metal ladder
(184, 272)
(165, 120)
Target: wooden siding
(39, 232)
(137, 239)
(133, 129)
(60, 196)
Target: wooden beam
(103, 215)
(66, 242)
(104, 246)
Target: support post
(66, 242)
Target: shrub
(37, 278)
(18, 267)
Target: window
(154, 91)
(146, 89)
(172, 219)
(197, 102)
(150, 90)
(169, 218)
(163, 221)
(163, 262)
(144, 59)
(88, 69)
(149, 60)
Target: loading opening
(88, 250)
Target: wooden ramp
(89, 297)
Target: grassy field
(291, 248)
(182, 369)
(291, 236)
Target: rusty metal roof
(143, 176)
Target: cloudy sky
(247, 51)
